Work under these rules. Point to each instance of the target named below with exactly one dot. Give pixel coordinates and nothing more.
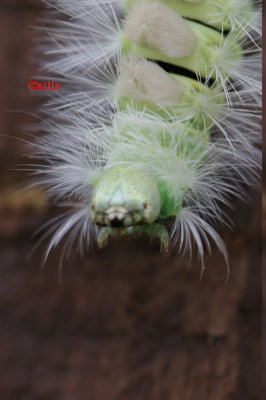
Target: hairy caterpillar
(156, 124)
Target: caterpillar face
(125, 196)
(158, 116)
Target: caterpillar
(157, 122)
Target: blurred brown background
(127, 322)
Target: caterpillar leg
(155, 230)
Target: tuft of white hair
(146, 81)
(241, 15)
(92, 27)
(237, 69)
(157, 26)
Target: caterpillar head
(125, 196)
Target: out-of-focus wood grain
(127, 322)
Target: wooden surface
(127, 322)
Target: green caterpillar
(157, 122)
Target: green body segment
(195, 99)
(202, 61)
(215, 13)
(172, 138)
